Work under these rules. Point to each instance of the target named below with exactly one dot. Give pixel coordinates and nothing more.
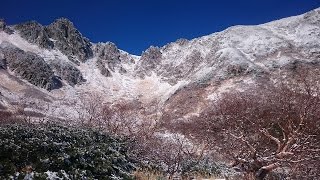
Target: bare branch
(252, 149)
(276, 140)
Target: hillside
(52, 73)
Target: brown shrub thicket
(269, 128)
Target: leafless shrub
(268, 127)
(5, 117)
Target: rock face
(67, 72)
(34, 32)
(3, 61)
(108, 58)
(69, 40)
(149, 61)
(61, 34)
(183, 70)
(3, 27)
(30, 67)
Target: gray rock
(2, 25)
(182, 41)
(108, 56)
(183, 70)
(34, 32)
(30, 67)
(69, 40)
(3, 62)
(149, 61)
(151, 57)
(102, 67)
(67, 72)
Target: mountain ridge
(161, 76)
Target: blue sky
(134, 25)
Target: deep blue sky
(134, 25)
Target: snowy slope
(263, 46)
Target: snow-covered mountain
(56, 65)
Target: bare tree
(89, 108)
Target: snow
(175, 138)
(126, 86)
(297, 29)
(18, 41)
(53, 40)
(261, 47)
(52, 175)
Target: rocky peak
(182, 41)
(149, 61)
(2, 24)
(313, 17)
(108, 58)
(34, 32)
(69, 40)
(3, 27)
(153, 53)
(107, 51)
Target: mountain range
(55, 66)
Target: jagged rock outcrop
(3, 61)
(61, 34)
(108, 58)
(30, 67)
(149, 60)
(34, 32)
(69, 40)
(3, 64)
(102, 67)
(184, 69)
(182, 41)
(3, 27)
(67, 72)
(151, 57)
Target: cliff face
(30, 67)
(61, 35)
(35, 33)
(69, 40)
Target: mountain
(246, 96)
(55, 64)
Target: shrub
(54, 151)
